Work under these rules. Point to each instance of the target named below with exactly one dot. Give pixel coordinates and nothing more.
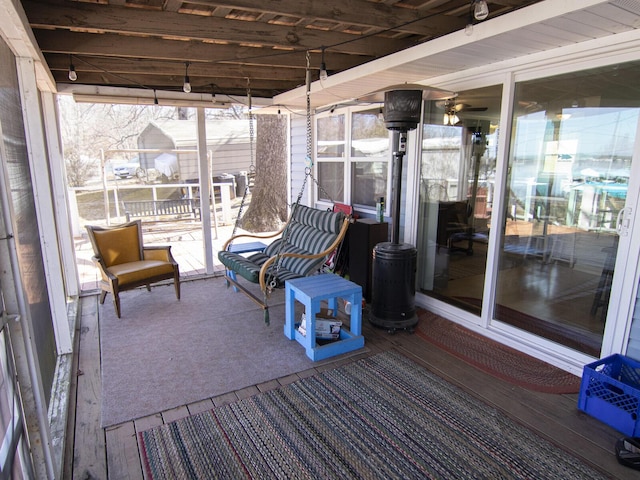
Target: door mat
(493, 357)
(572, 337)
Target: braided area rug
(493, 357)
(383, 417)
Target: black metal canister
(393, 286)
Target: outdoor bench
(152, 208)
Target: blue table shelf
(311, 292)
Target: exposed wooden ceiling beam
(145, 43)
(150, 67)
(379, 15)
(123, 20)
(232, 86)
(172, 5)
(110, 44)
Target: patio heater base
(393, 286)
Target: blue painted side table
(311, 292)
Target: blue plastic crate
(610, 392)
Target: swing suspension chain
(322, 190)
(308, 173)
(309, 160)
(272, 283)
(252, 167)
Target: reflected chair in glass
(455, 226)
(125, 263)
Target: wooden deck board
(73, 396)
(123, 459)
(89, 461)
(199, 407)
(554, 417)
(174, 414)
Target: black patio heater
(394, 263)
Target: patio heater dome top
(403, 103)
(428, 93)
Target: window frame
(348, 160)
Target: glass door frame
(624, 285)
(625, 281)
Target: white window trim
(347, 161)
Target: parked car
(126, 170)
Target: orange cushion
(119, 245)
(135, 272)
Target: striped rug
(383, 417)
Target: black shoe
(628, 452)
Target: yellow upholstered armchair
(125, 263)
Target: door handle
(623, 221)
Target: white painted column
(60, 195)
(37, 152)
(205, 190)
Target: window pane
(369, 136)
(331, 181)
(368, 182)
(331, 136)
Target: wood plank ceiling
(229, 44)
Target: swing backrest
(311, 231)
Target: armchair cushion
(136, 272)
(118, 245)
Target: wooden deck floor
(113, 453)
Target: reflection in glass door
(569, 165)
(457, 179)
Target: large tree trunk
(268, 209)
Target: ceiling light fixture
(480, 10)
(73, 76)
(323, 68)
(450, 116)
(186, 87)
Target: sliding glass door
(568, 166)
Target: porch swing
(308, 238)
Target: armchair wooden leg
(103, 295)
(176, 284)
(116, 303)
(148, 287)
